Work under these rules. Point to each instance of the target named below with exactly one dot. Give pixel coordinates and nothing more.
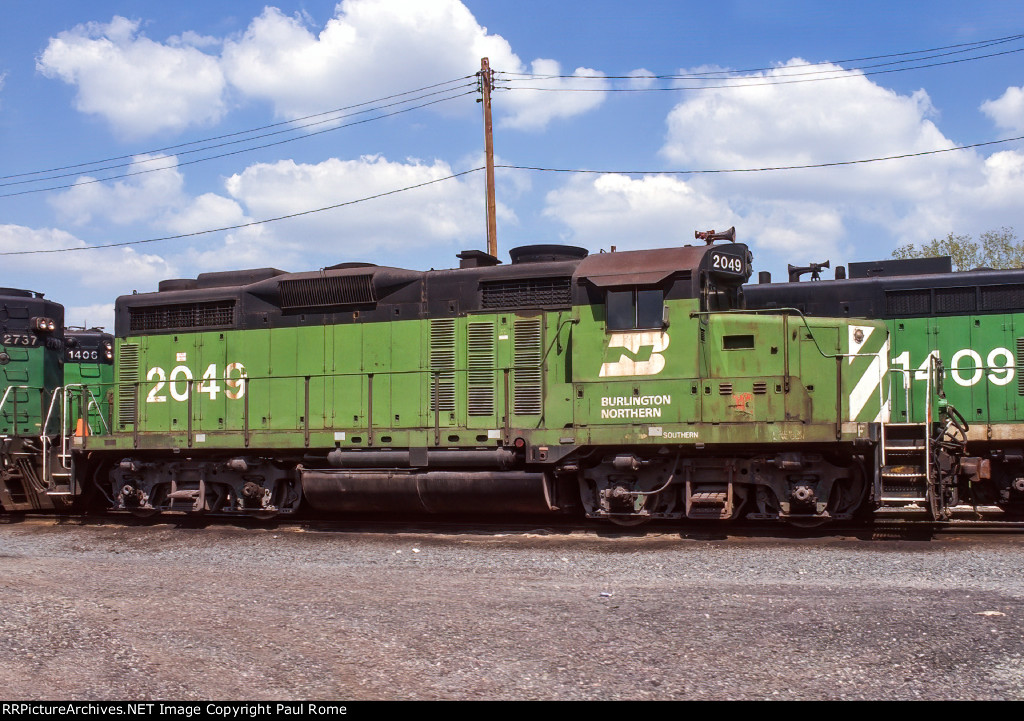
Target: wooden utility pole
(486, 76)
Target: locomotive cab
(683, 398)
(31, 344)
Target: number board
(727, 263)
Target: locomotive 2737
(45, 373)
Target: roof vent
(476, 259)
(546, 253)
(231, 278)
(349, 265)
(177, 284)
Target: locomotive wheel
(848, 495)
(807, 522)
(628, 521)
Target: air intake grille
(527, 381)
(955, 300)
(480, 363)
(1002, 297)
(908, 302)
(128, 377)
(326, 291)
(442, 364)
(527, 293)
(210, 314)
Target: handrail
(3, 402)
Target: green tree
(998, 249)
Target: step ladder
(58, 462)
(906, 465)
(709, 500)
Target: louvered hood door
(482, 368)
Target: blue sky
(132, 83)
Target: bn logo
(640, 354)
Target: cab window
(634, 308)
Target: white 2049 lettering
(181, 380)
(726, 262)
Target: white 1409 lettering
(965, 366)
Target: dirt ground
(150, 612)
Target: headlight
(44, 325)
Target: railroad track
(879, 528)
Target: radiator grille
(442, 364)
(1020, 365)
(480, 363)
(527, 393)
(208, 314)
(326, 291)
(527, 293)
(128, 366)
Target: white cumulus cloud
(369, 49)
(90, 316)
(653, 211)
(153, 194)
(1007, 111)
(103, 268)
(441, 211)
(812, 212)
(147, 192)
(369, 43)
(140, 86)
(535, 102)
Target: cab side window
(634, 308)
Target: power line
(233, 152)
(293, 129)
(237, 133)
(245, 225)
(763, 169)
(514, 167)
(968, 47)
(840, 74)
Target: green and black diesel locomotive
(625, 386)
(959, 336)
(51, 385)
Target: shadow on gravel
(497, 525)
